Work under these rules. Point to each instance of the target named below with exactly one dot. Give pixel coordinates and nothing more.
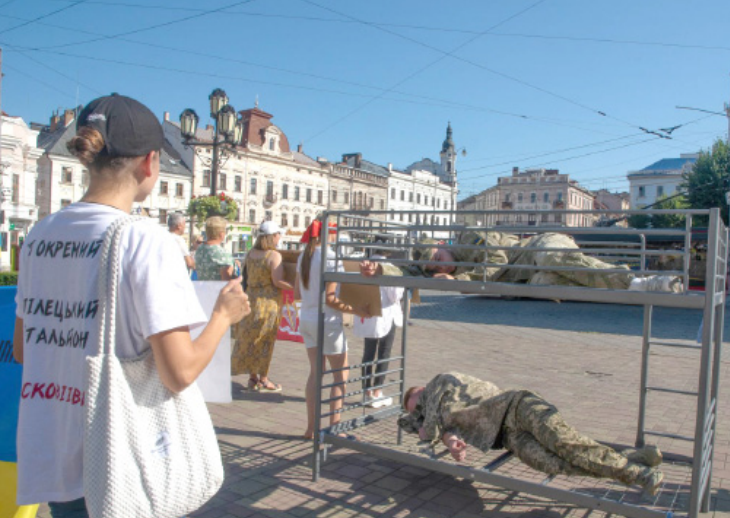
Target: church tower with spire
(448, 157)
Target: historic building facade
(263, 175)
(18, 166)
(662, 178)
(528, 195)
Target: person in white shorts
(306, 289)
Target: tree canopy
(662, 220)
(708, 181)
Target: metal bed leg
(701, 471)
(648, 310)
(406, 315)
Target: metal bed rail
(711, 301)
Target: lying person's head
(435, 256)
(412, 398)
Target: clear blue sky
(522, 81)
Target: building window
(164, 188)
(222, 181)
(206, 178)
(410, 197)
(320, 197)
(307, 221)
(163, 217)
(546, 197)
(659, 190)
(418, 199)
(285, 191)
(533, 197)
(237, 184)
(296, 193)
(347, 198)
(438, 203)
(308, 198)
(252, 215)
(67, 175)
(519, 197)
(296, 220)
(179, 190)
(401, 216)
(425, 199)
(268, 215)
(410, 218)
(560, 196)
(334, 196)
(506, 197)
(272, 144)
(642, 191)
(392, 193)
(65, 203)
(16, 188)
(269, 189)
(382, 204)
(284, 220)
(252, 186)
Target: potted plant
(203, 207)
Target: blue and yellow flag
(11, 374)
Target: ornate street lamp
(228, 133)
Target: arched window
(272, 143)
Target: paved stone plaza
(583, 357)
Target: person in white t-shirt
(56, 328)
(379, 335)
(306, 289)
(176, 226)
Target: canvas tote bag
(148, 452)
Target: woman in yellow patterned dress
(256, 333)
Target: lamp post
(228, 132)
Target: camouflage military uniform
(519, 420)
(574, 259)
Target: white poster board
(215, 380)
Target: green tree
(708, 181)
(662, 220)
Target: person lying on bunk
(441, 253)
(460, 410)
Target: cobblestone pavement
(583, 357)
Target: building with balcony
(662, 178)
(264, 176)
(357, 184)
(19, 172)
(530, 194)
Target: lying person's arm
(453, 442)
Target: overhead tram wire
(40, 81)
(29, 22)
(411, 26)
(417, 72)
(148, 28)
(62, 74)
(491, 70)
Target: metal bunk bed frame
(711, 301)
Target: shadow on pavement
(669, 323)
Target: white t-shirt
(58, 302)
(309, 310)
(182, 244)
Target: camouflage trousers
(540, 438)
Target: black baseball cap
(128, 127)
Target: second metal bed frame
(373, 228)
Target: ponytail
(307, 260)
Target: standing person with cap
(119, 141)
(306, 289)
(256, 334)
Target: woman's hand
(457, 448)
(232, 302)
(362, 311)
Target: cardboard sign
(360, 295)
(215, 380)
(289, 324)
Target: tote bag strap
(109, 281)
